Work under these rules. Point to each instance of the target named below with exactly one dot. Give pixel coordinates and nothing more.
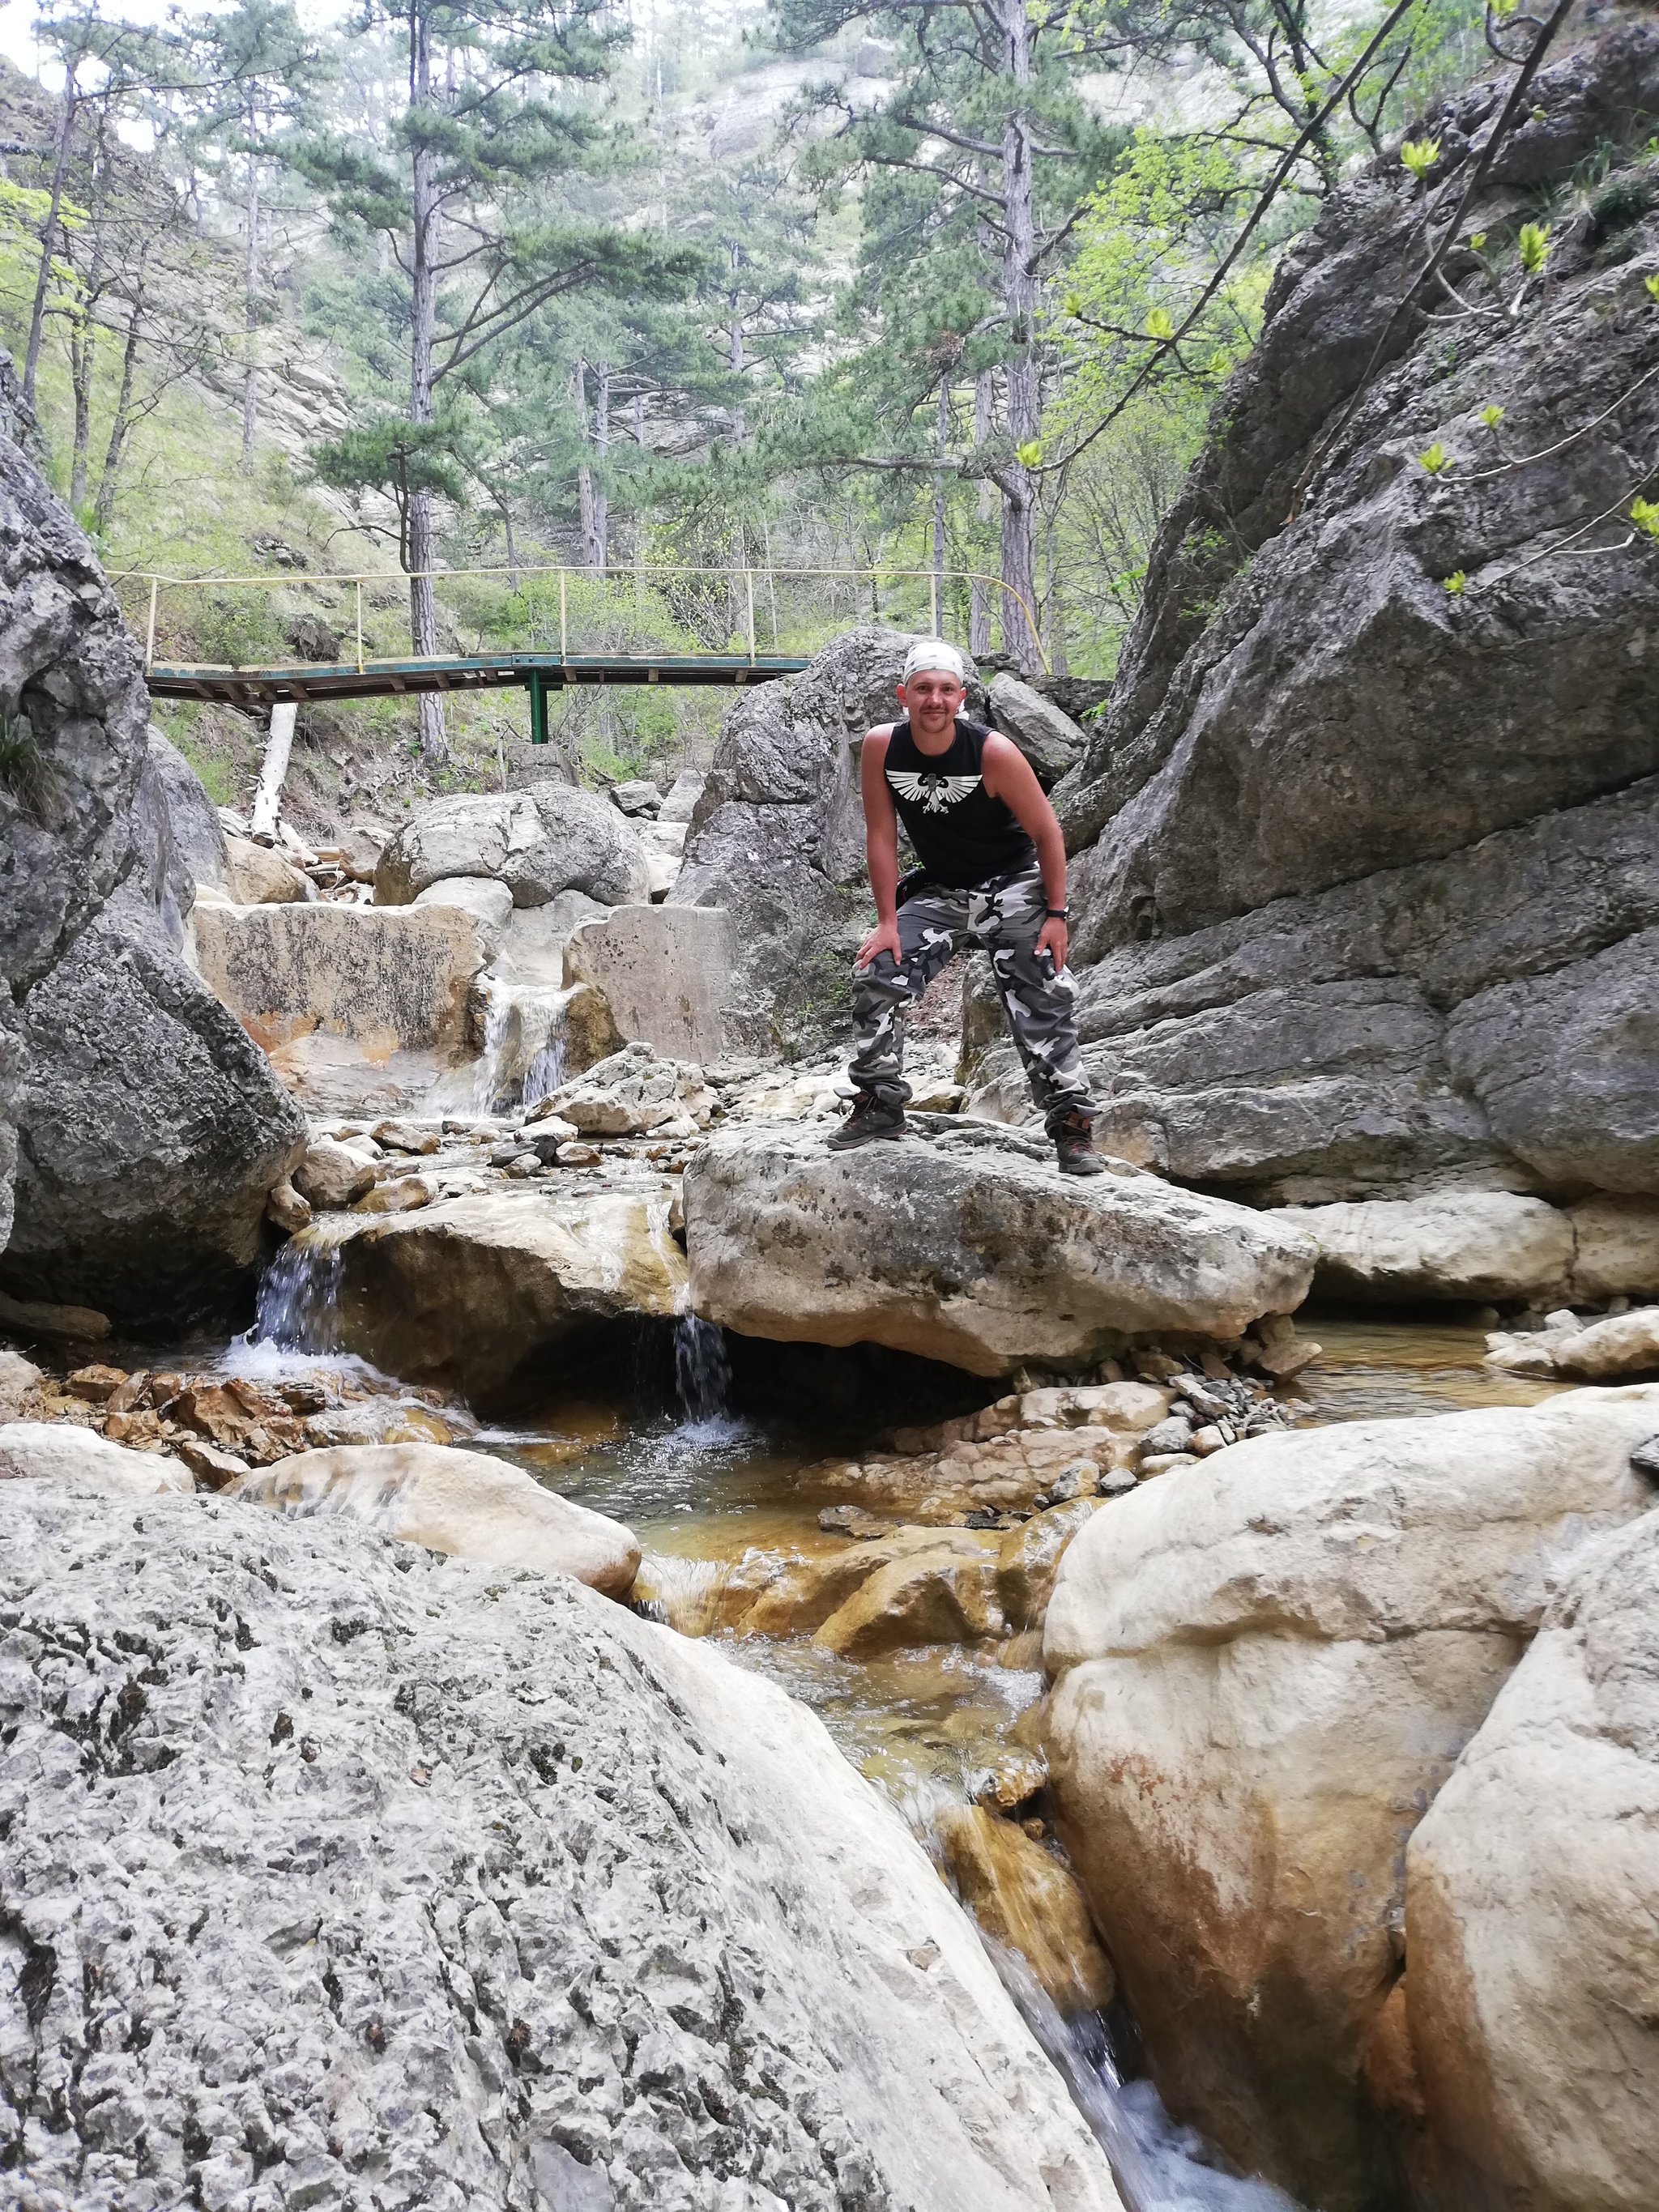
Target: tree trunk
(734, 347)
(979, 613)
(48, 234)
(942, 442)
(82, 336)
(1019, 294)
(586, 519)
(422, 595)
(250, 307)
(103, 511)
(602, 448)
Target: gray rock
(177, 840)
(197, 835)
(1170, 1436)
(637, 796)
(151, 1129)
(75, 716)
(586, 1915)
(1050, 740)
(543, 840)
(967, 1247)
(681, 802)
(1301, 704)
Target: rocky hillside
(1369, 834)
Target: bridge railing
(300, 615)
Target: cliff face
(1369, 867)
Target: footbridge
(538, 630)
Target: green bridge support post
(537, 708)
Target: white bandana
(934, 652)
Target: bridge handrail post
(564, 642)
(360, 625)
(933, 593)
(749, 588)
(149, 635)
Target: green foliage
(1419, 155)
(25, 774)
(1645, 514)
(1532, 241)
(1491, 417)
(1651, 286)
(1455, 583)
(1434, 459)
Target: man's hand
(1051, 939)
(883, 938)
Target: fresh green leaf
(1455, 583)
(1435, 458)
(1419, 155)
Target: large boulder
(666, 973)
(461, 1293)
(1366, 885)
(465, 1502)
(151, 1130)
(971, 1247)
(1269, 1663)
(1451, 1245)
(360, 1008)
(1533, 1948)
(426, 1880)
(543, 840)
(777, 837)
(1050, 740)
(60, 1452)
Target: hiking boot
(1074, 1144)
(869, 1120)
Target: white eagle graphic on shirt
(934, 793)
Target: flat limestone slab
(462, 1292)
(667, 971)
(355, 1005)
(970, 1247)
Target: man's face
(932, 697)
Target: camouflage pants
(1002, 918)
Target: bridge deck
(541, 672)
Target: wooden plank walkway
(539, 672)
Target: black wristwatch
(1057, 913)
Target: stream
(715, 1495)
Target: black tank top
(962, 835)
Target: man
(993, 875)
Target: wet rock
(968, 1248)
(539, 840)
(56, 1452)
(935, 1595)
(1531, 1949)
(1269, 1663)
(214, 1468)
(1028, 1562)
(82, 1323)
(1024, 1898)
(152, 1129)
(286, 1209)
(509, 1821)
(399, 1194)
(463, 1503)
(331, 1174)
(795, 1596)
(460, 1292)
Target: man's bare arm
(1008, 777)
(880, 847)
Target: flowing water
(714, 1497)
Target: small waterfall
(683, 1593)
(524, 1046)
(297, 1305)
(702, 1373)
(1158, 2167)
